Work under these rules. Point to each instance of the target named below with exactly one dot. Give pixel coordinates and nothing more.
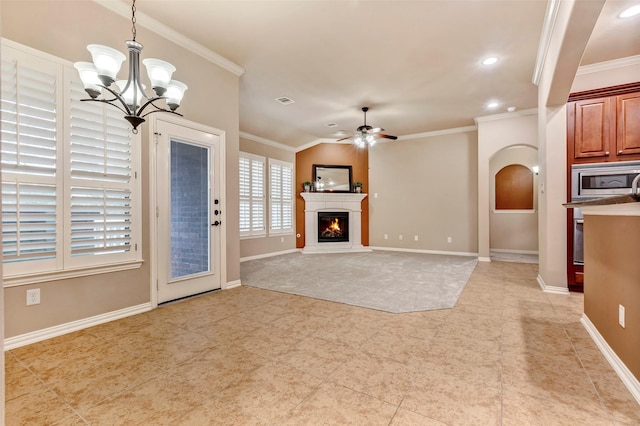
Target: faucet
(634, 184)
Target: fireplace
(333, 227)
(349, 204)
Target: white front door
(188, 211)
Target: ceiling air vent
(284, 100)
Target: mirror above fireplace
(331, 178)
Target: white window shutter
(252, 195)
(280, 196)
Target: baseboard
(514, 251)
(551, 289)
(59, 330)
(620, 368)
(272, 254)
(232, 284)
(408, 250)
(484, 259)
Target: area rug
(384, 280)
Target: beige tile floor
(507, 354)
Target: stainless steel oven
(597, 180)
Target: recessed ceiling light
(490, 60)
(511, 109)
(493, 104)
(285, 100)
(632, 11)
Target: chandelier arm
(104, 101)
(151, 102)
(126, 109)
(162, 110)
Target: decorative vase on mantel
(307, 186)
(357, 187)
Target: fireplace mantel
(315, 202)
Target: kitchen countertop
(605, 201)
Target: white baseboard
(514, 251)
(59, 330)
(408, 250)
(551, 289)
(232, 284)
(621, 369)
(484, 259)
(262, 256)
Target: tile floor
(507, 354)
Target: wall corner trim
(620, 368)
(59, 330)
(232, 284)
(551, 289)
(266, 141)
(545, 39)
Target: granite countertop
(606, 201)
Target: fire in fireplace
(333, 227)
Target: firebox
(333, 227)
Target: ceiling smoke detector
(285, 100)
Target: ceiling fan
(367, 135)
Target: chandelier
(129, 95)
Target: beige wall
(611, 279)
(270, 244)
(425, 187)
(63, 29)
(514, 231)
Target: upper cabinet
(603, 128)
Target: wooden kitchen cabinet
(604, 129)
(628, 124)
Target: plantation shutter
(252, 194)
(29, 108)
(281, 195)
(101, 178)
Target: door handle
(216, 223)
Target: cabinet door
(628, 117)
(594, 128)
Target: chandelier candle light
(128, 98)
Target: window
(280, 196)
(252, 195)
(69, 186)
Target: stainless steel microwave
(602, 179)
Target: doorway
(188, 213)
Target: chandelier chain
(133, 19)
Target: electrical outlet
(375, 195)
(415, 238)
(33, 296)
(449, 239)
(400, 237)
(386, 236)
(621, 315)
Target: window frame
(63, 265)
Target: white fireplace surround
(315, 202)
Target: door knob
(216, 223)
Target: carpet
(384, 280)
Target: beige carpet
(383, 280)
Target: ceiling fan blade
(380, 135)
(344, 139)
(376, 130)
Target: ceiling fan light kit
(366, 135)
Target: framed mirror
(331, 178)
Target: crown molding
(319, 141)
(170, 34)
(545, 39)
(438, 133)
(609, 65)
(266, 141)
(506, 115)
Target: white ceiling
(416, 64)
